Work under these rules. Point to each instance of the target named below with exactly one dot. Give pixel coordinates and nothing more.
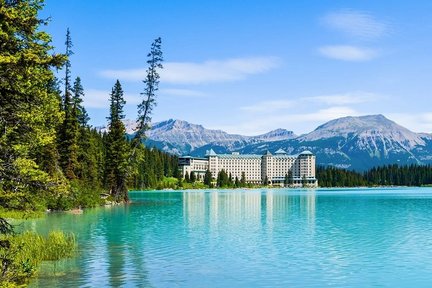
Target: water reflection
(249, 238)
(247, 208)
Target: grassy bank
(22, 254)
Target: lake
(249, 238)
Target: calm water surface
(250, 238)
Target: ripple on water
(252, 238)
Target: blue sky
(249, 67)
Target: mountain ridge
(352, 142)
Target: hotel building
(257, 168)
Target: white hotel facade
(257, 168)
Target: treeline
(50, 157)
(389, 175)
(153, 171)
(223, 180)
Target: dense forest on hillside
(389, 175)
(50, 157)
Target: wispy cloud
(268, 106)
(200, 73)
(357, 24)
(345, 98)
(348, 53)
(100, 98)
(182, 92)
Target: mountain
(275, 135)
(180, 136)
(130, 126)
(357, 143)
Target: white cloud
(268, 106)
(356, 24)
(205, 72)
(348, 53)
(345, 98)
(182, 92)
(100, 98)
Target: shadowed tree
(117, 147)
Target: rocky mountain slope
(355, 143)
(358, 143)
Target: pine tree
(243, 179)
(186, 177)
(192, 177)
(151, 83)
(236, 182)
(77, 99)
(265, 182)
(29, 106)
(304, 181)
(208, 178)
(289, 179)
(69, 133)
(117, 147)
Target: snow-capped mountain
(359, 143)
(130, 125)
(187, 134)
(355, 143)
(276, 135)
(367, 130)
(181, 137)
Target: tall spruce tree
(151, 83)
(208, 178)
(69, 132)
(29, 106)
(243, 179)
(77, 106)
(117, 147)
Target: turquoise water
(250, 238)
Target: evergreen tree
(186, 177)
(266, 181)
(236, 182)
(304, 181)
(286, 180)
(151, 83)
(243, 179)
(117, 147)
(192, 177)
(29, 106)
(69, 133)
(208, 178)
(77, 99)
(223, 179)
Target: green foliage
(223, 180)
(208, 178)
(192, 177)
(335, 177)
(243, 179)
(117, 148)
(151, 82)
(29, 105)
(21, 254)
(390, 175)
(69, 132)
